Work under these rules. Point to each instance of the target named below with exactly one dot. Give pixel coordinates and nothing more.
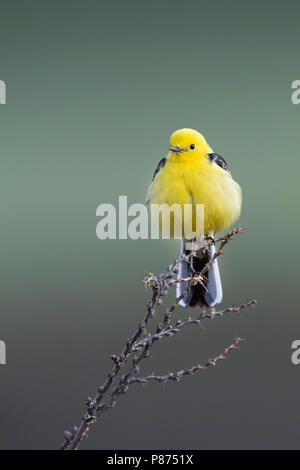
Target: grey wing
(214, 157)
(161, 164)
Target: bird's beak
(176, 149)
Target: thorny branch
(141, 341)
(179, 374)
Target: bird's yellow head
(185, 144)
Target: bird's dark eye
(192, 146)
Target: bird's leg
(193, 271)
(192, 259)
(192, 264)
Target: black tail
(208, 294)
(198, 291)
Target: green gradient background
(94, 90)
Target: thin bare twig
(191, 371)
(170, 330)
(137, 344)
(73, 439)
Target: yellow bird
(193, 174)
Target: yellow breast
(197, 181)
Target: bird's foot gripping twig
(138, 346)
